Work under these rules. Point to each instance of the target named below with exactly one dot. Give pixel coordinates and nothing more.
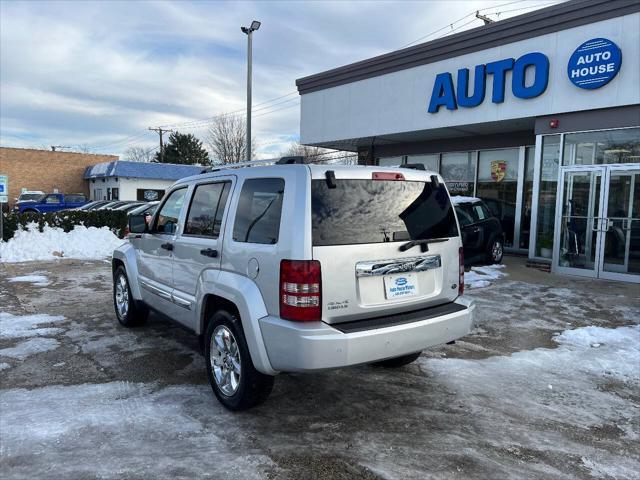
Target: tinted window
(206, 209)
(464, 214)
(167, 218)
(52, 199)
(259, 209)
(368, 211)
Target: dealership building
(539, 115)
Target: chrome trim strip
(397, 265)
(158, 291)
(181, 302)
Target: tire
(495, 251)
(129, 312)
(233, 378)
(399, 361)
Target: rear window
(259, 210)
(368, 211)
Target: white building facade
(123, 180)
(539, 115)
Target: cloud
(100, 73)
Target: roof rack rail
(291, 160)
(413, 166)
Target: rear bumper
(306, 347)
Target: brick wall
(46, 170)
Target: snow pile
(480, 277)
(15, 326)
(37, 280)
(52, 243)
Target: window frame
(154, 223)
(193, 194)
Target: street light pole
(255, 25)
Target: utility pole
(255, 25)
(160, 131)
(484, 18)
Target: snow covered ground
(54, 243)
(546, 386)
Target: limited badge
(498, 170)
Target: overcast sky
(97, 74)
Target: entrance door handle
(209, 252)
(167, 246)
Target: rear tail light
(300, 290)
(461, 272)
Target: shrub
(116, 221)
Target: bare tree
(316, 154)
(226, 139)
(139, 154)
(321, 155)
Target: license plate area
(400, 285)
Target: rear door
(199, 245)
(361, 225)
(470, 229)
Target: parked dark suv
(482, 235)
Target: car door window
(205, 211)
(259, 209)
(52, 199)
(478, 212)
(464, 217)
(167, 219)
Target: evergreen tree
(183, 148)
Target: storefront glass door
(621, 225)
(598, 231)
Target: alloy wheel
(122, 296)
(225, 360)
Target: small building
(123, 180)
(538, 114)
(46, 171)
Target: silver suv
(298, 268)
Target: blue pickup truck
(51, 202)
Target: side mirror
(138, 224)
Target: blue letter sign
(443, 93)
(594, 63)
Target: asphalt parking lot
(83, 398)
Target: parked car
(51, 202)
(298, 268)
(128, 206)
(112, 205)
(145, 209)
(482, 235)
(92, 205)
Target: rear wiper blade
(424, 244)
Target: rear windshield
(372, 211)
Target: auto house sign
(594, 63)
